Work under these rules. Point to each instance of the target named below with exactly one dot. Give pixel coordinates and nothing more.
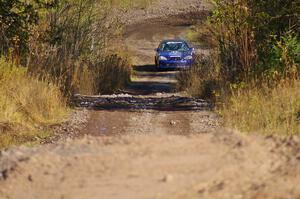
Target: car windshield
(174, 46)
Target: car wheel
(157, 65)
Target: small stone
(1, 176)
(201, 191)
(30, 178)
(172, 122)
(168, 178)
(46, 173)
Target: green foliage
(273, 17)
(257, 53)
(16, 20)
(258, 46)
(283, 58)
(235, 38)
(251, 33)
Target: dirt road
(152, 143)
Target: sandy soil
(211, 165)
(153, 153)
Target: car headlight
(189, 57)
(162, 58)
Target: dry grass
(202, 35)
(26, 104)
(265, 110)
(202, 80)
(106, 75)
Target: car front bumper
(179, 64)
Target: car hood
(168, 54)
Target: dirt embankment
(155, 165)
(150, 142)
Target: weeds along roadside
(253, 71)
(31, 103)
(27, 105)
(77, 45)
(68, 42)
(60, 48)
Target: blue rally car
(174, 54)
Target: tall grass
(77, 45)
(106, 75)
(265, 110)
(69, 47)
(26, 105)
(202, 80)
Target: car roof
(173, 40)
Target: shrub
(202, 80)
(283, 58)
(111, 73)
(72, 46)
(252, 38)
(104, 76)
(256, 45)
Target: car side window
(185, 47)
(161, 46)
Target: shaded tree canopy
(16, 18)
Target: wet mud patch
(152, 122)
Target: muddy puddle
(110, 123)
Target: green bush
(255, 47)
(252, 40)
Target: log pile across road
(141, 102)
